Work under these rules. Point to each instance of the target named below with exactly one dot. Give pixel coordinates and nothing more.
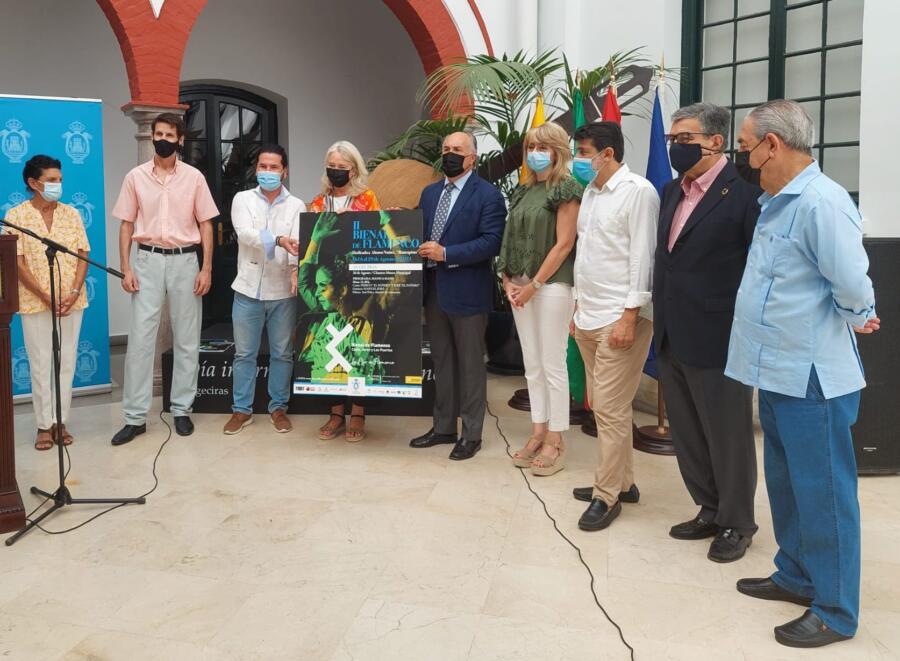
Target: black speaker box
(876, 435)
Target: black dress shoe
(465, 449)
(586, 494)
(598, 515)
(431, 438)
(808, 630)
(766, 588)
(729, 545)
(128, 433)
(183, 425)
(696, 528)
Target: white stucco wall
(879, 194)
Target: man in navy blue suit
(464, 220)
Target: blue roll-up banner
(70, 130)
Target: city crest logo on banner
(21, 369)
(14, 141)
(85, 208)
(15, 199)
(90, 288)
(86, 364)
(78, 143)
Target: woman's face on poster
(325, 290)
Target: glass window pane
(195, 120)
(804, 28)
(229, 126)
(845, 20)
(843, 70)
(195, 154)
(739, 116)
(717, 86)
(812, 109)
(752, 83)
(250, 124)
(842, 165)
(753, 6)
(238, 169)
(753, 38)
(842, 119)
(718, 10)
(718, 45)
(802, 76)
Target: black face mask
(452, 164)
(164, 148)
(684, 156)
(745, 170)
(338, 178)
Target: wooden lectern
(12, 513)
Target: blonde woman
(344, 182)
(537, 265)
(344, 189)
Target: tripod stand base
(654, 439)
(63, 497)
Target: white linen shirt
(615, 248)
(265, 277)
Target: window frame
(693, 27)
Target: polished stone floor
(268, 546)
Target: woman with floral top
(344, 189)
(46, 216)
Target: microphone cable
(114, 507)
(563, 535)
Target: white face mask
(52, 191)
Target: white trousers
(543, 327)
(37, 329)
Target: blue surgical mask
(538, 161)
(268, 181)
(583, 170)
(52, 191)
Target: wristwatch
(537, 284)
(276, 240)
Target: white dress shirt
(614, 253)
(264, 270)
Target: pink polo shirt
(165, 213)
(694, 190)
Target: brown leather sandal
(327, 433)
(44, 440)
(68, 439)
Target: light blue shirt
(804, 289)
(457, 189)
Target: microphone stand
(62, 496)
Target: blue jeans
(811, 479)
(248, 317)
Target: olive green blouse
(531, 230)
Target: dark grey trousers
(711, 419)
(460, 376)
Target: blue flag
(659, 173)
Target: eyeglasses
(682, 138)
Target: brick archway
(153, 49)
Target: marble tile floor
(268, 546)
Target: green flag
(574, 363)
